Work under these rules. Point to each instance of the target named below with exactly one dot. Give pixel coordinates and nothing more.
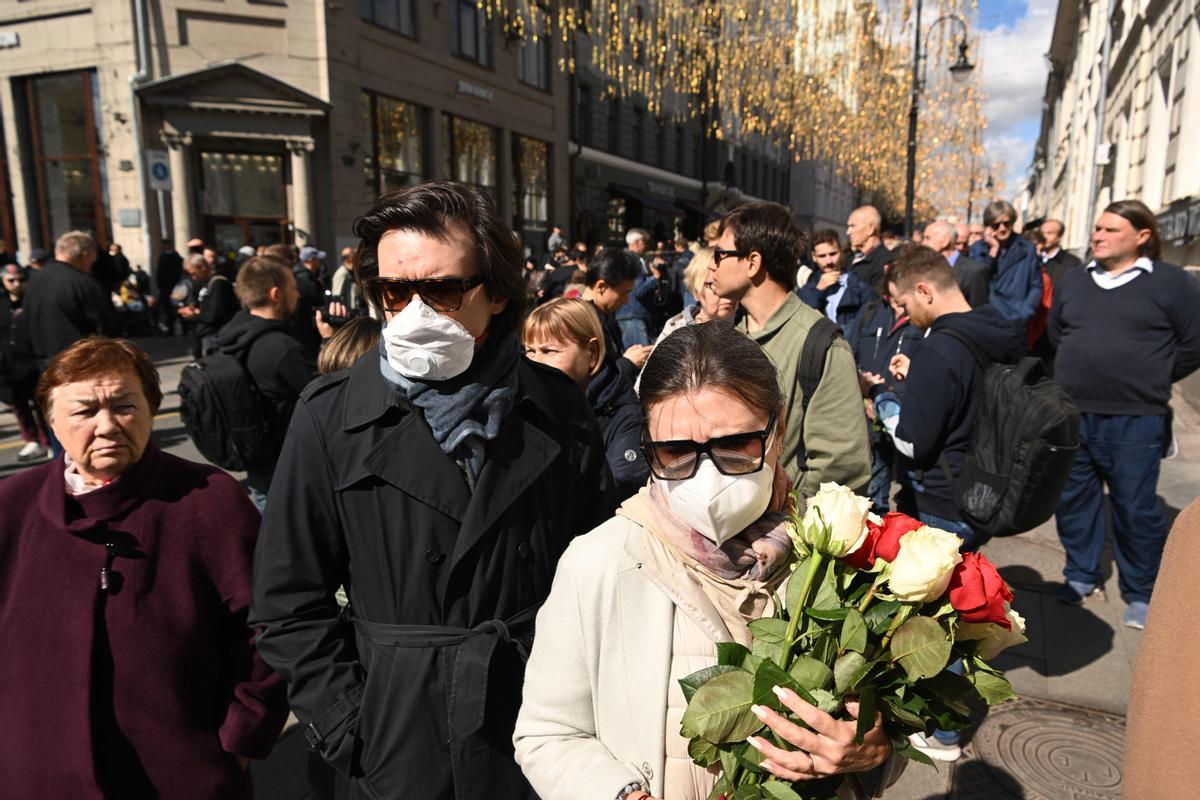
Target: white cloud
(1014, 78)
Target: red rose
(883, 541)
(864, 557)
(894, 526)
(978, 593)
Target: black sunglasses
(720, 254)
(440, 294)
(737, 454)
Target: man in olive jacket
(441, 505)
(755, 265)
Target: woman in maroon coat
(127, 668)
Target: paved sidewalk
(1063, 739)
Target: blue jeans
(971, 540)
(883, 459)
(1124, 454)
(633, 331)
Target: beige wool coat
(593, 718)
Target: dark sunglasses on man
(736, 454)
(440, 294)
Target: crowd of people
(457, 441)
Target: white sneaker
(30, 451)
(935, 749)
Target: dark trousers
(1121, 453)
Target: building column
(302, 193)
(183, 207)
(23, 203)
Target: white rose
(993, 638)
(843, 512)
(922, 569)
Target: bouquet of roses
(875, 612)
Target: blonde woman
(708, 305)
(566, 334)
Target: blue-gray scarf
(466, 411)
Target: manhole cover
(1035, 749)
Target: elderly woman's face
(103, 423)
(708, 414)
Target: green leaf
(944, 609)
(731, 653)
(810, 673)
(703, 752)
(778, 790)
(746, 793)
(993, 689)
(720, 709)
(722, 788)
(748, 756)
(897, 713)
(825, 701)
(951, 690)
(866, 714)
(826, 593)
(922, 647)
(854, 632)
(768, 676)
(879, 615)
(845, 668)
(827, 614)
(795, 584)
(857, 679)
(768, 651)
(902, 746)
(769, 630)
(824, 648)
(697, 679)
(729, 762)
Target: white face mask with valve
(423, 345)
(719, 506)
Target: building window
(472, 153)
(660, 144)
(242, 185)
(395, 15)
(583, 116)
(72, 187)
(533, 62)
(639, 133)
(616, 218)
(471, 32)
(531, 189)
(614, 125)
(396, 149)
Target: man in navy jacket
(944, 382)
(1126, 327)
(1016, 269)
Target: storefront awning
(701, 209)
(663, 205)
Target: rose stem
(814, 566)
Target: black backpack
(817, 342)
(222, 411)
(1021, 447)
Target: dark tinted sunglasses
(440, 294)
(738, 454)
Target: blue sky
(1015, 38)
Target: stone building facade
(1151, 112)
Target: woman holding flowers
(654, 594)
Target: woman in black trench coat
(439, 480)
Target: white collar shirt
(1107, 281)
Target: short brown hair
(279, 251)
(351, 342)
(711, 355)
(96, 356)
(257, 277)
(916, 262)
(769, 230)
(429, 209)
(825, 236)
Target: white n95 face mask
(719, 506)
(423, 345)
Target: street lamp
(959, 71)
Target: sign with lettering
(664, 189)
(483, 93)
(1179, 223)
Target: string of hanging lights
(817, 79)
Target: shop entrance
(244, 198)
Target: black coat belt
(472, 656)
